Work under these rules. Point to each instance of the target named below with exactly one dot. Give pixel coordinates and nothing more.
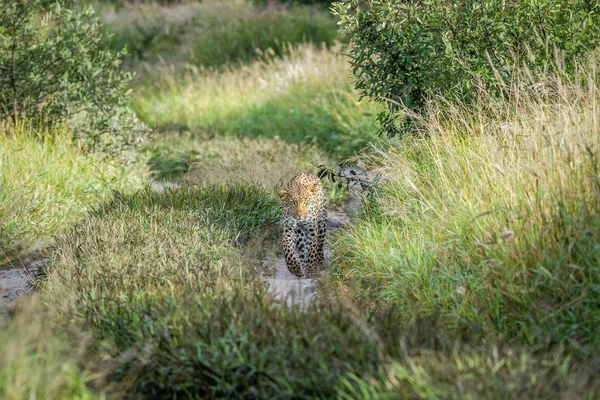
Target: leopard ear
(282, 193)
(312, 187)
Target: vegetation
(302, 97)
(174, 288)
(471, 270)
(55, 69)
(46, 182)
(216, 33)
(38, 360)
(265, 162)
(491, 221)
(405, 52)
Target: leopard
(304, 225)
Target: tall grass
(215, 33)
(47, 181)
(305, 96)
(489, 224)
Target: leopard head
(300, 195)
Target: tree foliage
(405, 51)
(55, 69)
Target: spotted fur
(305, 224)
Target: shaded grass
(47, 182)
(269, 163)
(215, 33)
(490, 226)
(304, 97)
(171, 280)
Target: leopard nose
(300, 209)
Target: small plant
(167, 164)
(54, 69)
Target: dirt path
(300, 291)
(17, 280)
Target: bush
(406, 51)
(55, 69)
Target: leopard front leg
(316, 238)
(321, 238)
(295, 256)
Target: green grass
(214, 33)
(490, 225)
(269, 163)
(305, 96)
(37, 360)
(170, 282)
(471, 273)
(46, 183)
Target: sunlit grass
(490, 223)
(47, 182)
(305, 96)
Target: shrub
(405, 51)
(55, 69)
